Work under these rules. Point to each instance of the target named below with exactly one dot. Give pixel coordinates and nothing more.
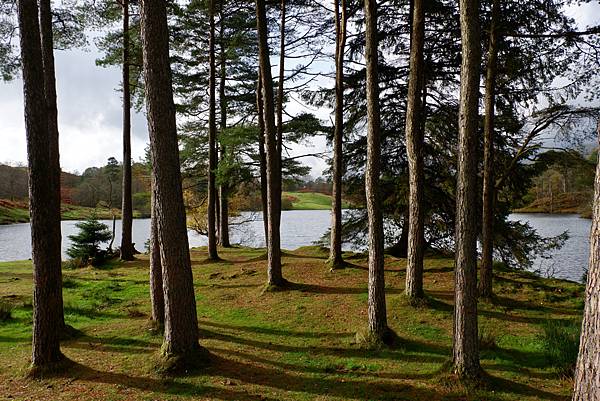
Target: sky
(90, 112)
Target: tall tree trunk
(224, 188)
(275, 278)
(280, 89)
(414, 150)
(126, 206)
(212, 136)
(489, 195)
(47, 43)
(45, 222)
(587, 372)
(377, 307)
(335, 250)
(180, 345)
(263, 158)
(157, 296)
(466, 347)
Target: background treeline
(96, 187)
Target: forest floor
(291, 345)
(18, 212)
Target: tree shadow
(165, 386)
(317, 385)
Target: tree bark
(263, 158)
(587, 372)
(414, 150)
(280, 89)
(377, 307)
(157, 297)
(126, 206)
(465, 339)
(44, 220)
(489, 194)
(275, 277)
(212, 136)
(181, 324)
(47, 43)
(335, 250)
(224, 188)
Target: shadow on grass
(151, 384)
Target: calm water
(302, 227)
(569, 262)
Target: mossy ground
(297, 344)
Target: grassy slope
(310, 200)
(9, 215)
(289, 345)
(572, 202)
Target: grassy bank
(565, 203)
(308, 201)
(294, 345)
(18, 212)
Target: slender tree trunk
(181, 324)
(263, 158)
(335, 250)
(414, 150)
(212, 136)
(45, 222)
(587, 372)
(466, 347)
(126, 206)
(487, 251)
(377, 308)
(275, 277)
(280, 89)
(224, 188)
(47, 43)
(157, 297)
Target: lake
(303, 227)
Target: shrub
(5, 311)
(561, 344)
(86, 244)
(487, 339)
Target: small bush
(86, 243)
(561, 345)
(69, 283)
(5, 311)
(487, 339)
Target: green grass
(10, 215)
(292, 345)
(310, 201)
